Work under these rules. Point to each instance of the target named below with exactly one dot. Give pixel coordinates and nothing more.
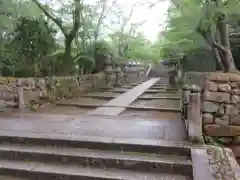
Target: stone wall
(39, 89)
(221, 108)
(21, 92)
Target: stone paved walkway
(141, 124)
(124, 100)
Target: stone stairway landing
(54, 158)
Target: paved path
(124, 100)
(92, 126)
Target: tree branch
(55, 20)
(102, 17)
(76, 17)
(220, 47)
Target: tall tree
(210, 23)
(69, 35)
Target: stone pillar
(109, 73)
(172, 79)
(20, 96)
(194, 117)
(138, 75)
(185, 94)
(125, 73)
(49, 91)
(119, 75)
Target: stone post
(138, 75)
(194, 116)
(125, 73)
(20, 96)
(185, 94)
(172, 79)
(108, 71)
(118, 72)
(49, 89)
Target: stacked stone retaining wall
(220, 106)
(36, 89)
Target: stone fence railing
(19, 92)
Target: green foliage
(186, 19)
(34, 37)
(56, 40)
(136, 47)
(31, 40)
(100, 47)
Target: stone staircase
(90, 158)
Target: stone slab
(122, 108)
(221, 130)
(124, 100)
(200, 163)
(140, 98)
(59, 171)
(152, 91)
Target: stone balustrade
(19, 92)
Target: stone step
(158, 84)
(37, 170)
(99, 159)
(152, 88)
(99, 143)
(137, 108)
(108, 97)
(147, 91)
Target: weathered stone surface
(236, 140)
(211, 86)
(216, 96)
(209, 107)
(234, 77)
(235, 85)
(41, 88)
(231, 110)
(235, 119)
(207, 118)
(217, 76)
(223, 77)
(234, 166)
(221, 130)
(235, 149)
(200, 164)
(221, 110)
(236, 91)
(224, 87)
(235, 99)
(224, 120)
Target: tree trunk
(218, 58)
(227, 58)
(67, 58)
(230, 64)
